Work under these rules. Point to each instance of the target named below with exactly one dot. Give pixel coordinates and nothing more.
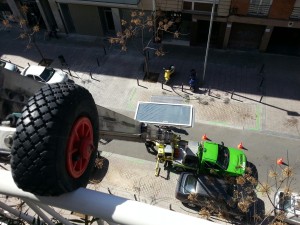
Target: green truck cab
(208, 157)
(220, 159)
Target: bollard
(109, 191)
(162, 85)
(232, 94)
(69, 71)
(98, 61)
(135, 197)
(182, 87)
(261, 98)
(91, 75)
(209, 91)
(137, 81)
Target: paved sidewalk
(234, 95)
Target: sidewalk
(234, 95)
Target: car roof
(209, 186)
(34, 70)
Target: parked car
(290, 204)
(45, 74)
(211, 190)
(9, 66)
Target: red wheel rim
(80, 147)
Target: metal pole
(23, 216)
(38, 211)
(208, 38)
(53, 213)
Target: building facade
(264, 25)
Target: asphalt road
(261, 149)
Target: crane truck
(51, 134)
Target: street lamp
(208, 38)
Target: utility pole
(208, 38)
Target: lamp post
(208, 38)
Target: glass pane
(187, 5)
(190, 184)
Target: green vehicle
(209, 157)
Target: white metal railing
(113, 209)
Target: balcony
(259, 10)
(295, 14)
(198, 7)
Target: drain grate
(151, 77)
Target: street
(261, 149)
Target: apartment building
(264, 25)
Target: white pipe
(109, 207)
(39, 212)
(53, 213)
(27, 218)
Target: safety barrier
(109, 208)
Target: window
(187, 5)
(259, 7)
(38, 79)
(223, 157)
(198, 5)
(47, 74)
(209, 165)
(190, 184)
(2, 64)
(202, 6)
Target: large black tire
(40, 150)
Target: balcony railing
(258, 10)
(253, 10)
(112, 209)
(295, 14)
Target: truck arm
(15, 91)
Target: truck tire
(56, 140)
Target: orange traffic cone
(204, 137)
(240, 146)
(280, 161)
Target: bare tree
(142, 26)
(26, 33)
(244, 198)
